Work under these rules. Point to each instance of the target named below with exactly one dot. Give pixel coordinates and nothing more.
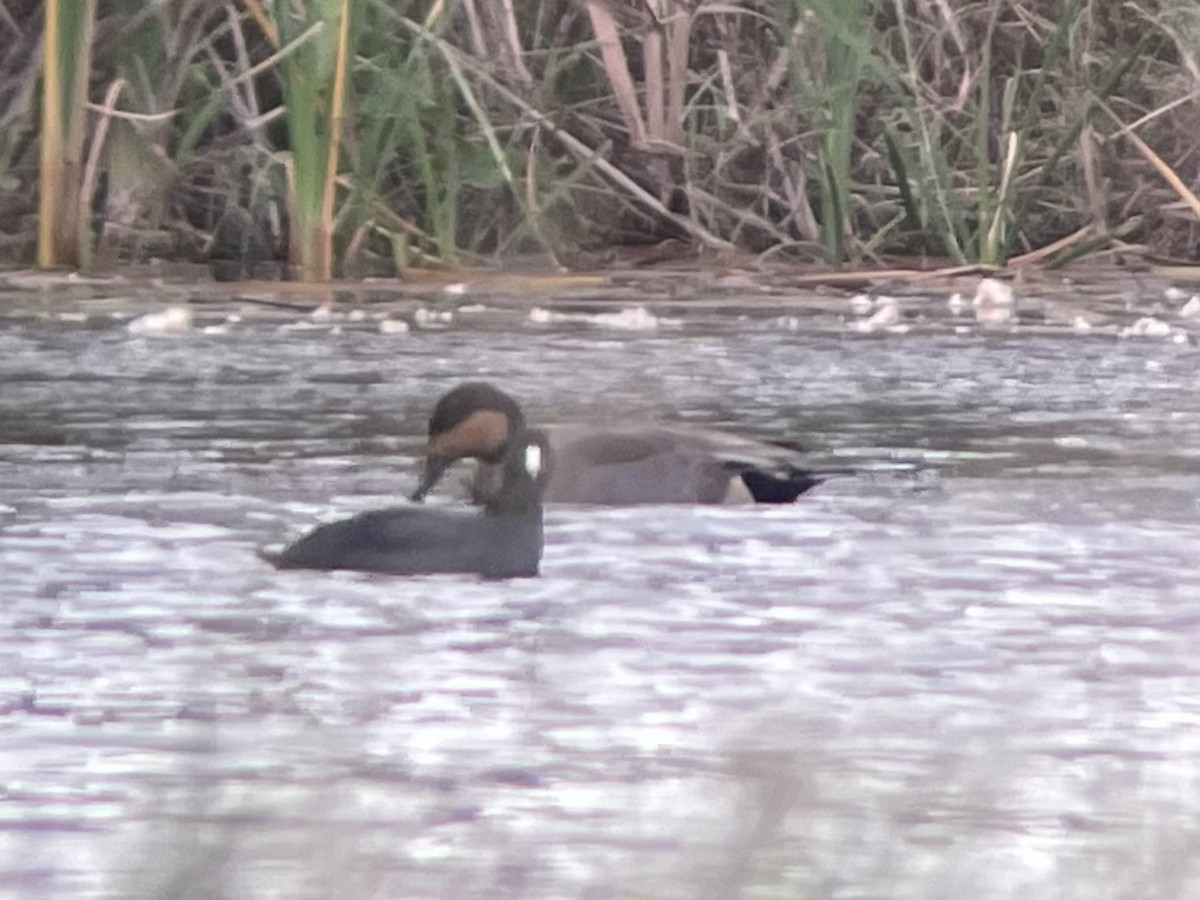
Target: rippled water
(969, 671)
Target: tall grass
(163, 105)
(823, 130)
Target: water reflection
(968, 671)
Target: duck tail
(785, 487)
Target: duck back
(417, 541)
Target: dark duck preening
(503, 540)
(613, 466)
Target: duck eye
(533, 459)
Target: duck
(611, 466)
(503, 540)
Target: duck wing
(624, 466)
(401, 540)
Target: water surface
(968, 670)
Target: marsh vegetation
(392, 134)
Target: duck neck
(514, 427)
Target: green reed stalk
(846, 59)
(988, 236)
(314, 88)
(828, 75)
(932, 171)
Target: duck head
(472, 420)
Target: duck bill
(435, 467)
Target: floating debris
(426, 317)
(224, 326)
(861, 304)
(788, 323)
(393, 326)
(1175, 295)
(307, 325)
(172, 320)
(957, 303)
(1148, 326)
(1191, 309)
(632, 318)
(994, 302)
(887, 315)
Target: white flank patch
(533, 459)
